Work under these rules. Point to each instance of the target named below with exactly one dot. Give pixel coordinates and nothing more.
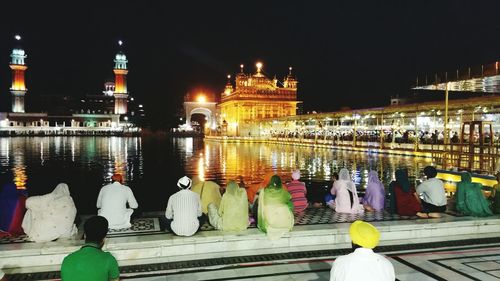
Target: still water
(151, 166)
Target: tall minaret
(120, 71)
(18, 88)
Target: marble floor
(475, 262)
(449, 248)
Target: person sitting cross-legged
(232, 214)
(374, 199)
(275, 211)
(91, 262)
(184, 216)
(362, 263)
(298, 191)
(50, 216)
(112, 203)
(470, 200)
(433, 194)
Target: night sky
(345, 53)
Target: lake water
(151, 166)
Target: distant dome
(120, 56)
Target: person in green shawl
(232, 214)
(496, 195)
(469, 198)
(275, 213)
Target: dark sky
(356, 53)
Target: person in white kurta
(363, 263)
(51, 216)
(112, 203)
(183, 213)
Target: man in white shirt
(433, 194)
(184, 216)
(363, 263)
(112, 203)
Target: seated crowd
(269, 203)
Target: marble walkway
(318, 237)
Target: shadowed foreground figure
(91, 262)
(363, 263)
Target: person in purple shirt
(374, 199)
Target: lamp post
(446, 129)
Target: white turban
(184, 182)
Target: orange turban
(117, 177)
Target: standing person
(183, 213)
(91, 262)
(362, 263)
(433, 194)
(232, 215)
(346, 195)
(298, 191)
(209, 192)
(404, 200)
(50, 216)
(470, 199)
(374, 199)
(496, 195)
(275, 213)
(112, 203)
(12, 208)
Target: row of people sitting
(52, 216)
(427, 200)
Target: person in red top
(403, 197)
(298, 191)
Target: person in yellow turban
(362, 263)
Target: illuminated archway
(205, 108)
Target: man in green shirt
(91, 262)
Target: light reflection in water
(316, 165)
(151, 167)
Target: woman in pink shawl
(346, 200)
(374, 198)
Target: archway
(205, 108)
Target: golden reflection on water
(252, 161)
(16, 154)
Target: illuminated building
(105, 113)
(18, 67)
(255, 96)
(120, 92)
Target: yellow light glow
(201, 98)
(258, 65)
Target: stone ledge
(215, 242)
